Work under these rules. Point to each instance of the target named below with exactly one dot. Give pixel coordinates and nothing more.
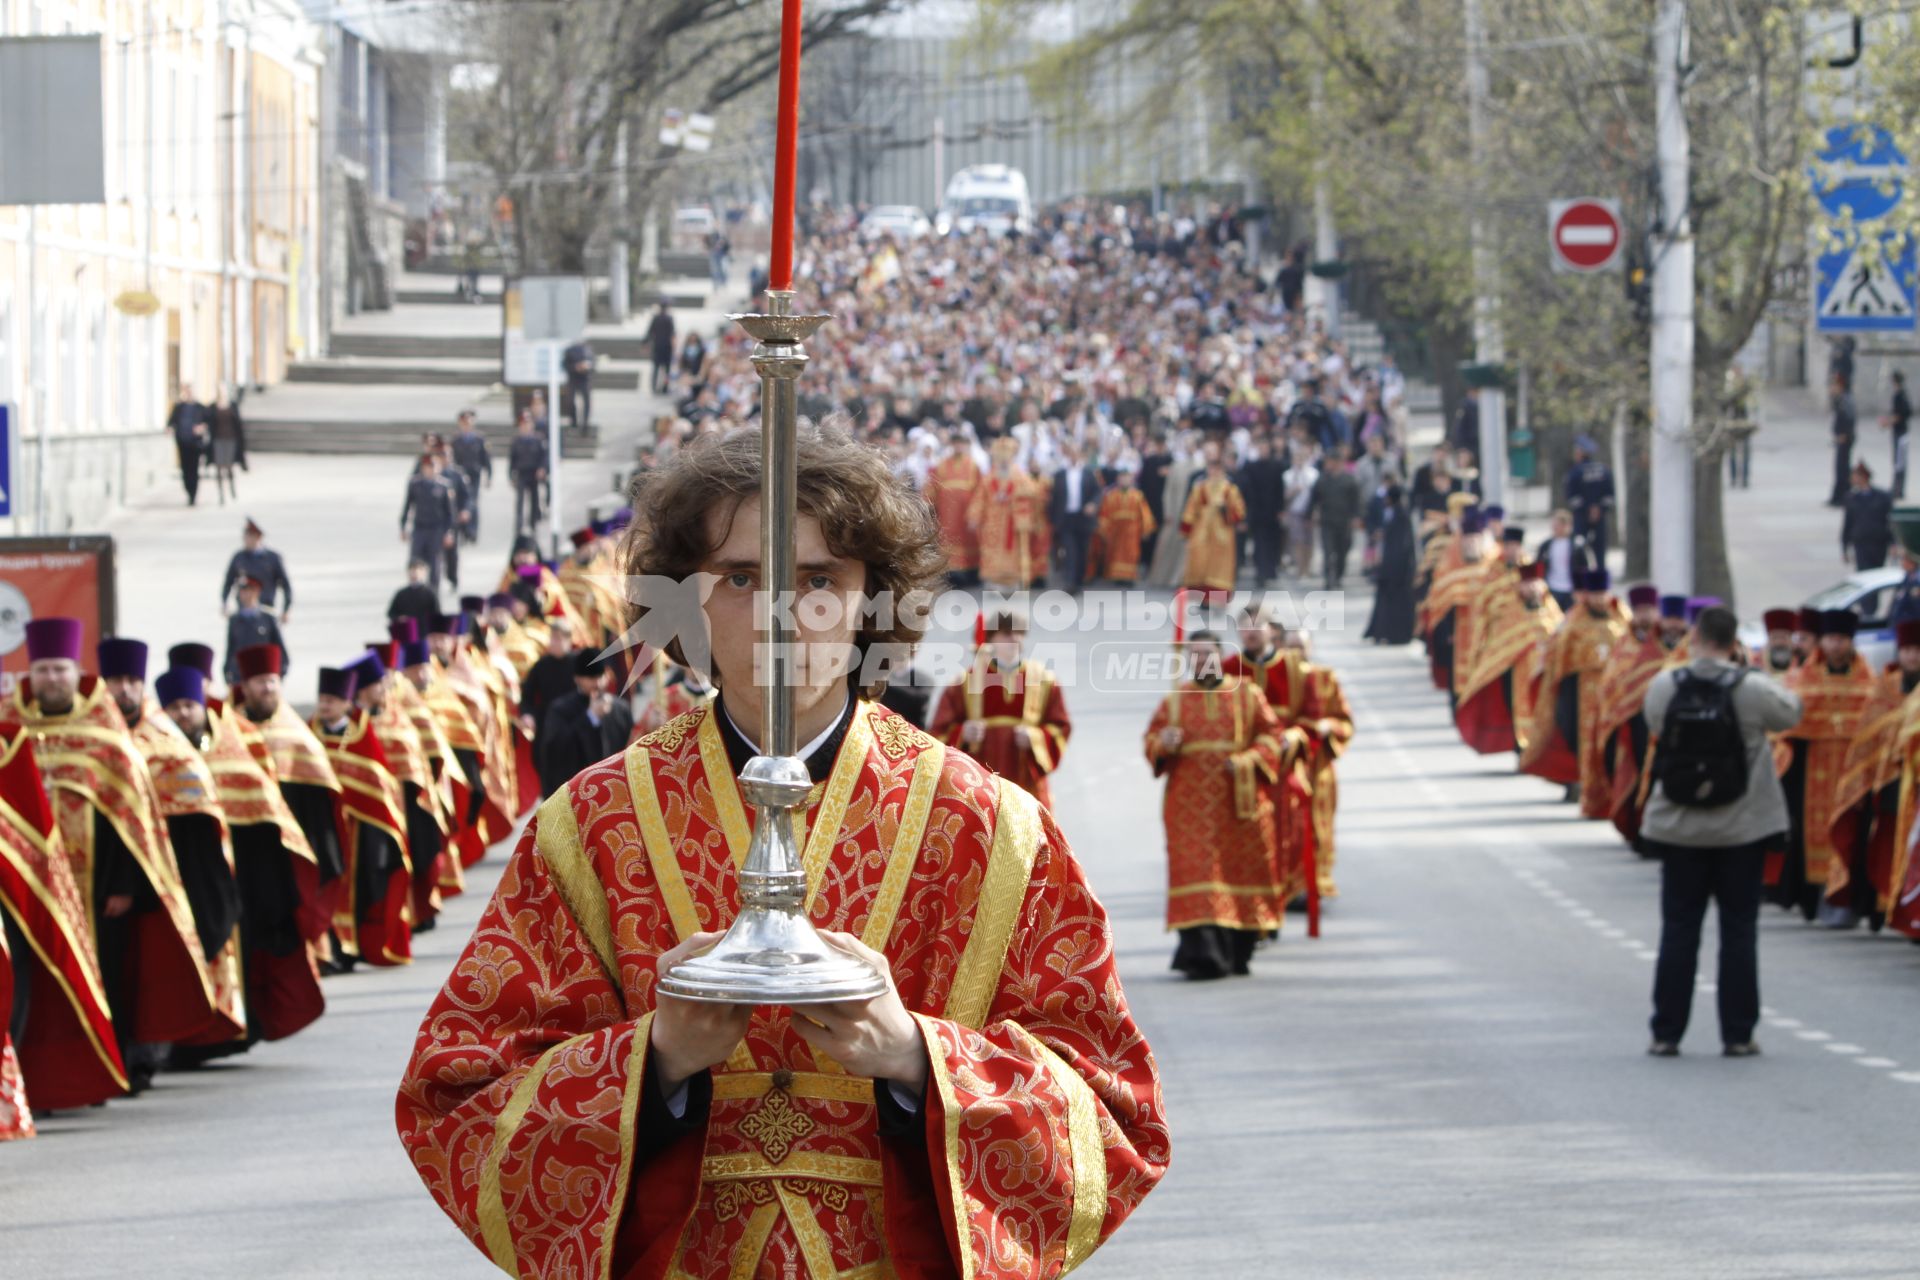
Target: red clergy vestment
(1496, 702)
(370, 796)
(69, 1056)
(184, 781)
(1578, 651)
(1831, 706)
(93, 772)
(1026, 696)
(1635, 661)
(521, 1103)
(1867, 801)
(1222, 866)
(950, 487)
(1281, 679)
(1329, 725)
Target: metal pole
(617, 276)
(37, 345)
(1670, 505)
(1322, 296)
(779, 368)
(553, 444)
(1489, 347)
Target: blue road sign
(1865, 275)
(6, 460)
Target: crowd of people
(183, 856)
(1115, 396)
(1781, 772)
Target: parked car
(1868, 593)
(901, 221)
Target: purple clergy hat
(473, 604)
(53, 638)
(415, 653)
(119, 656)
(1643, 595)
(192, 655)
(404, 629)
(448, 624)
(1673, 607)
(180, 683)
(499, 600)
(1697, 605)
(1473, 522)
(336, 682)
(367, 669)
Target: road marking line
(1814, 1036)
(1647, 954)
(1785, 1024)
(1848, 1049)
(1879, 1064)
(1906, 1077)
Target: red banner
(47, 577)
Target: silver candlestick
(772, 954)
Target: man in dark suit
(188, 422)
(1154, 463)
(1070, 511)
(577, 395)
(1262, 482)
(1566, 556)
(583, 727)
(1867, 529)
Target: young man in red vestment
(574, 1122)
(1008, 714)
(1279, 674)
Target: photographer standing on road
(1714, 805)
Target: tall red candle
(786, 143)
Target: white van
(986, 197)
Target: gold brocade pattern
(297, 755)
(774, 1126)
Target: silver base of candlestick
(772, 954)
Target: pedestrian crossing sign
(1865, 275)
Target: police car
(1870, 593)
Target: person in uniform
(263, 564)
(950, 487)
(1125, 524)
(1563, 746)
(1210, 522)
(1589, 493)
(752, 1142)
(1008, 714)
(1835, 686)
(1216, 742)
(1866, 806)
(373, 915)
(429, 506)
(115, 840)
(251, 625)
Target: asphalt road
(1450, 1082)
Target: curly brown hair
(866, 513)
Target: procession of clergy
(179, 868)
(1564, 688)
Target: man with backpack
(1714, 806)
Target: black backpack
(1701, 760)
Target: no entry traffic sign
(1586, 235)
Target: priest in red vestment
(1279, 673)
(950, 487)
(115, 840)
(1512, 625)
(1866, 811)
(572, 1122)
(62, 1041)
(1216, 742)
(1835, 686)
(1008, 714)
(373, 914)
(1640, 655)
(1563, 746)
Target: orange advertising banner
(53, 577)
